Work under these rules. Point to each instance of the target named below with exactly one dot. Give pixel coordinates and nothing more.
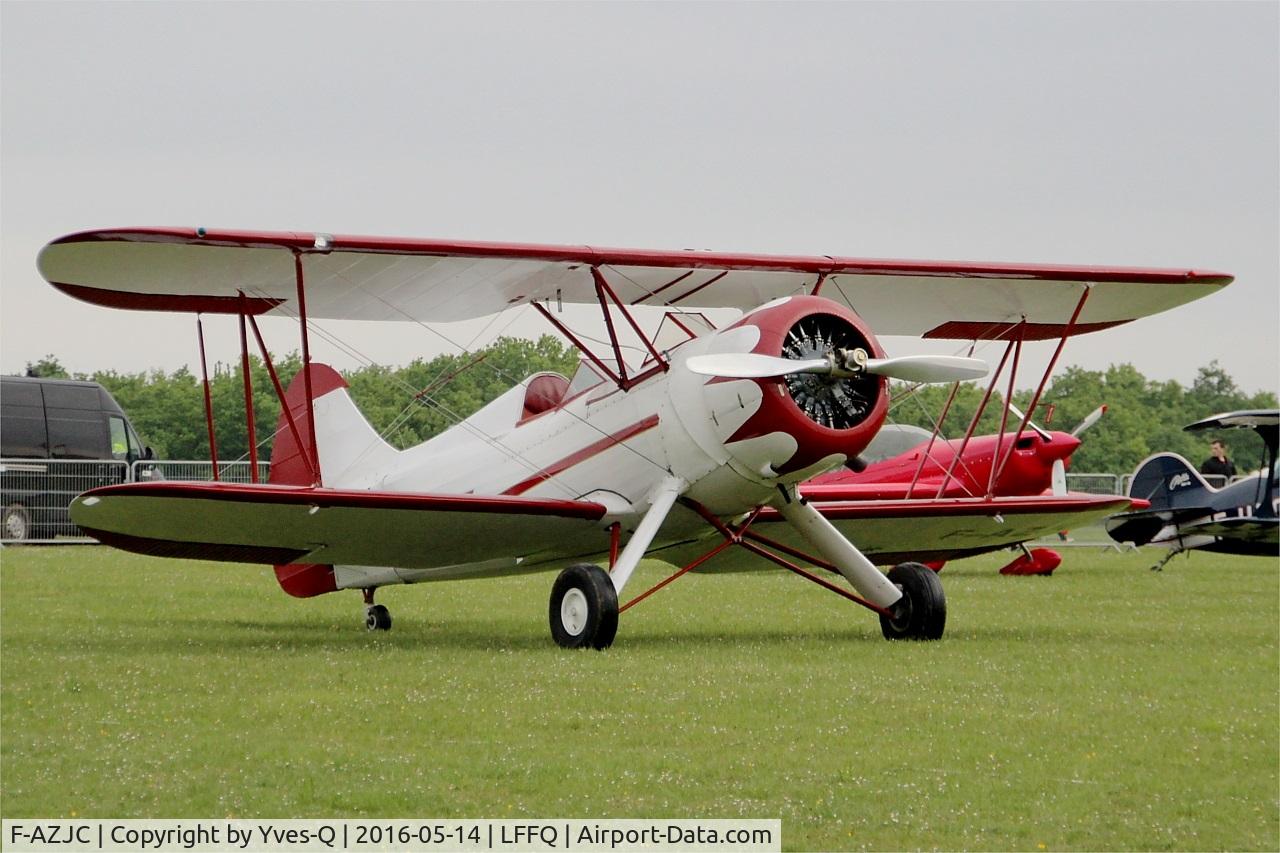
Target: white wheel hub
(15, 526)
(574, 611)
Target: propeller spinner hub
(844, 397)
(805, 422)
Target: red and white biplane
(693, 453)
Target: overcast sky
(1107, 133)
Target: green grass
(1107, 707)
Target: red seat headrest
(545, 391)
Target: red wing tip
(1221, 279)
(305, 580)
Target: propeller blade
(928, 368)
(910, 368)
(1058, 478)
(1017, 413)
(1089, 420)
(751, 365)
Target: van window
(135, 445)
(79, 435)
(23, 431)
(58, 396)
(119, 438)
(17, 393)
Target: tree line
(412, 403)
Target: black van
(57, 419)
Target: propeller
(1058, 478)
(1017, 413)
(1089, 420)
(840, 364)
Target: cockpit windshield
(586, 376)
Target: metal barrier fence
(191, 470)
(35, 494)
(1094, 484)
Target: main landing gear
(584, 608)
(921, 613)
(584, 600)
(376, 616)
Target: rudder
(1169, 481)
(292, 463)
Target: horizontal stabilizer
(1245, 419)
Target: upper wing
(291, 524)
(375, 278)
(1250, 418)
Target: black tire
(378, 618)
(584, 608)
(16, 525)
(921, 613)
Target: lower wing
(1145, 526)
(275, 524)
(891, 531)
(1250, 529)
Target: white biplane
(687, 455)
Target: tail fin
(1170, 482)
(346, 443)
(349, 448)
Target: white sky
(1109, 133)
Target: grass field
(1107, 707)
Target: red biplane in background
(689, 455)
(907, 462)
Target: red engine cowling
(829, 418)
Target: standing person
(1218, 465)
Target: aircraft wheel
(17, 523)
(378, 618)
(921, 613)
(584, 608)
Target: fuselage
(940, 469)
(733, 441)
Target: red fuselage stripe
(582, 455)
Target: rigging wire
(503, 375)
(460, 421)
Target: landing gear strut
(584, 608)
(1159, 567)
(376, 616)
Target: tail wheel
(921, 613)
(17, 523)
(584, 608)
(377, 618)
